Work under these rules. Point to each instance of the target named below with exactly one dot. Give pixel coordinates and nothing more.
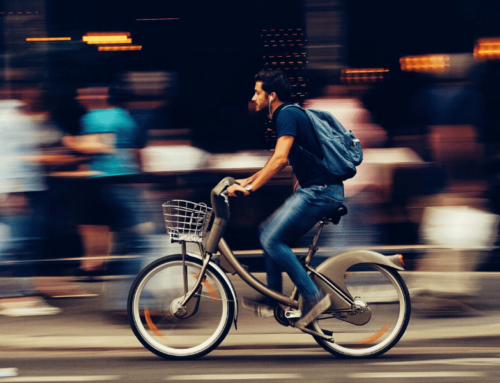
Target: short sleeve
(286, 124)
(99, 122)
(95, 123)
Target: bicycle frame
(291, 301)
(230, 263)
(328, 272)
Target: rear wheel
(150, 305)
(387, 297)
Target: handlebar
(220, 207)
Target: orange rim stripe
(374, 337)
(205, 283)
(151, 324)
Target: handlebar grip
(239, 193)
(222, 186)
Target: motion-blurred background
(418, 83)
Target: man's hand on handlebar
(238, 189)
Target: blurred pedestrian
(109, 136)
(21, 212)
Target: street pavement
(439, 316)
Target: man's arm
(277, 162)
(91, 143)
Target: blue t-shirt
(294, 122)
(118, 122)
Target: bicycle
(182, 306)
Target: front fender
(223, 275)
(335, 267)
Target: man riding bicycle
(319, 194)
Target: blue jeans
(291, 221)
(127, 209)
(20, 252)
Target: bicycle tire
(159, 330)
(378, 335)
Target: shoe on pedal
(313, 309)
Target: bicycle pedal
(293, 314)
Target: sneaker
(313, 309)
(27, 307)
(260, 307)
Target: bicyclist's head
(271, 87)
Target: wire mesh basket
(186, 221)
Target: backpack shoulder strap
(300, 148)
(293, 106)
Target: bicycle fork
(187, 304)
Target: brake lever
(224, 195)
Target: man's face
(260, 97)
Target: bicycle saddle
(336, 215)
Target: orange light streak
(426, 63)
(363, 75)
(107, 38)
(487, 48)
(48, 39)
(120, 48)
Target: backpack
(341, 148)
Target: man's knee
(265, 238)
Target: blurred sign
(425, 63)
(361, 76)
(107, 38)
(488, 48)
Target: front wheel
(167, 335)
(387, 297)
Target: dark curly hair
(275, 81)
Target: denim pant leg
(297, 216)
(22, 249)
(129, 211)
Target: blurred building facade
(186, 75)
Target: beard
(263, 112)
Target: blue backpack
(341, 148)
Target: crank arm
(315, 333)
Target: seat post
(313, 248)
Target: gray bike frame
(330, 272)
(230, 263)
